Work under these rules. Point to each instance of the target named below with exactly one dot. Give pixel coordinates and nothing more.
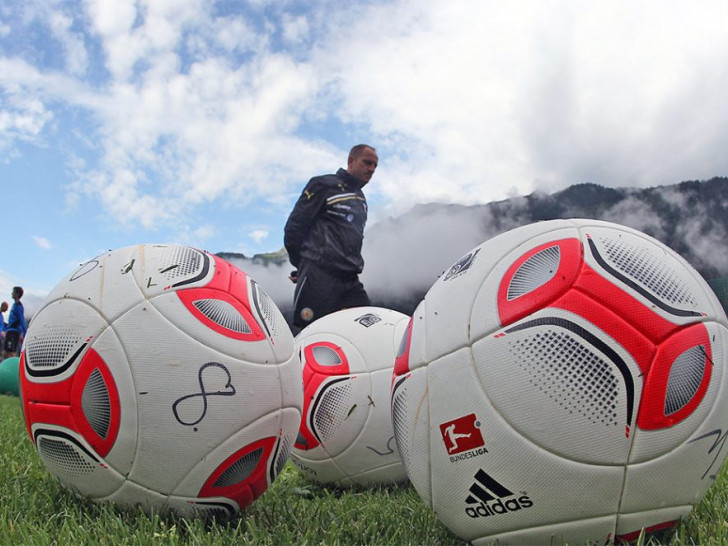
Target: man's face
(364, 165)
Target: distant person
(3, 324)
(16, 328)
(324, 235)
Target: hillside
(404, 255)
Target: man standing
(323, 237)
(3, 307)
(15, 331)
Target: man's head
(363, 161)
(3, 307)
(17, 292)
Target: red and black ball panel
(537, 278)
(325, 392)
(87, 402)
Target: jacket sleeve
(24, 324)
(302, 218)
(16, 319)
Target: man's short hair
(18, 290)
(357, 150)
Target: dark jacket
(326, 225)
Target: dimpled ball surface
(346, 434)
(564, 381)
(164, 377)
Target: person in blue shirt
(3, 308)
(16, 328)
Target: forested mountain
(404, 255)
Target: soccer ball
(564, 381)
(164, 377)
(346, 434)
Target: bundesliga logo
(490, 498)
(462, 438)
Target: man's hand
(294, 276)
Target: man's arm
(301, 219)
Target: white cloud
(467, 101)
(22, 118)
(295, 29)
(203, 233)
(232, 34)
(478, 98)
(42, 242)
(259, 235)
(72, 42)
(113, 23)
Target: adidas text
(499, 506)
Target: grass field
(36, 510)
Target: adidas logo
(489, 498)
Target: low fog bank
(405, 255)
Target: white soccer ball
(346, 434)
(162, 376)
(564, 381)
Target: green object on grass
(9, 378)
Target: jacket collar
(349, 179)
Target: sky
(198, 122)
